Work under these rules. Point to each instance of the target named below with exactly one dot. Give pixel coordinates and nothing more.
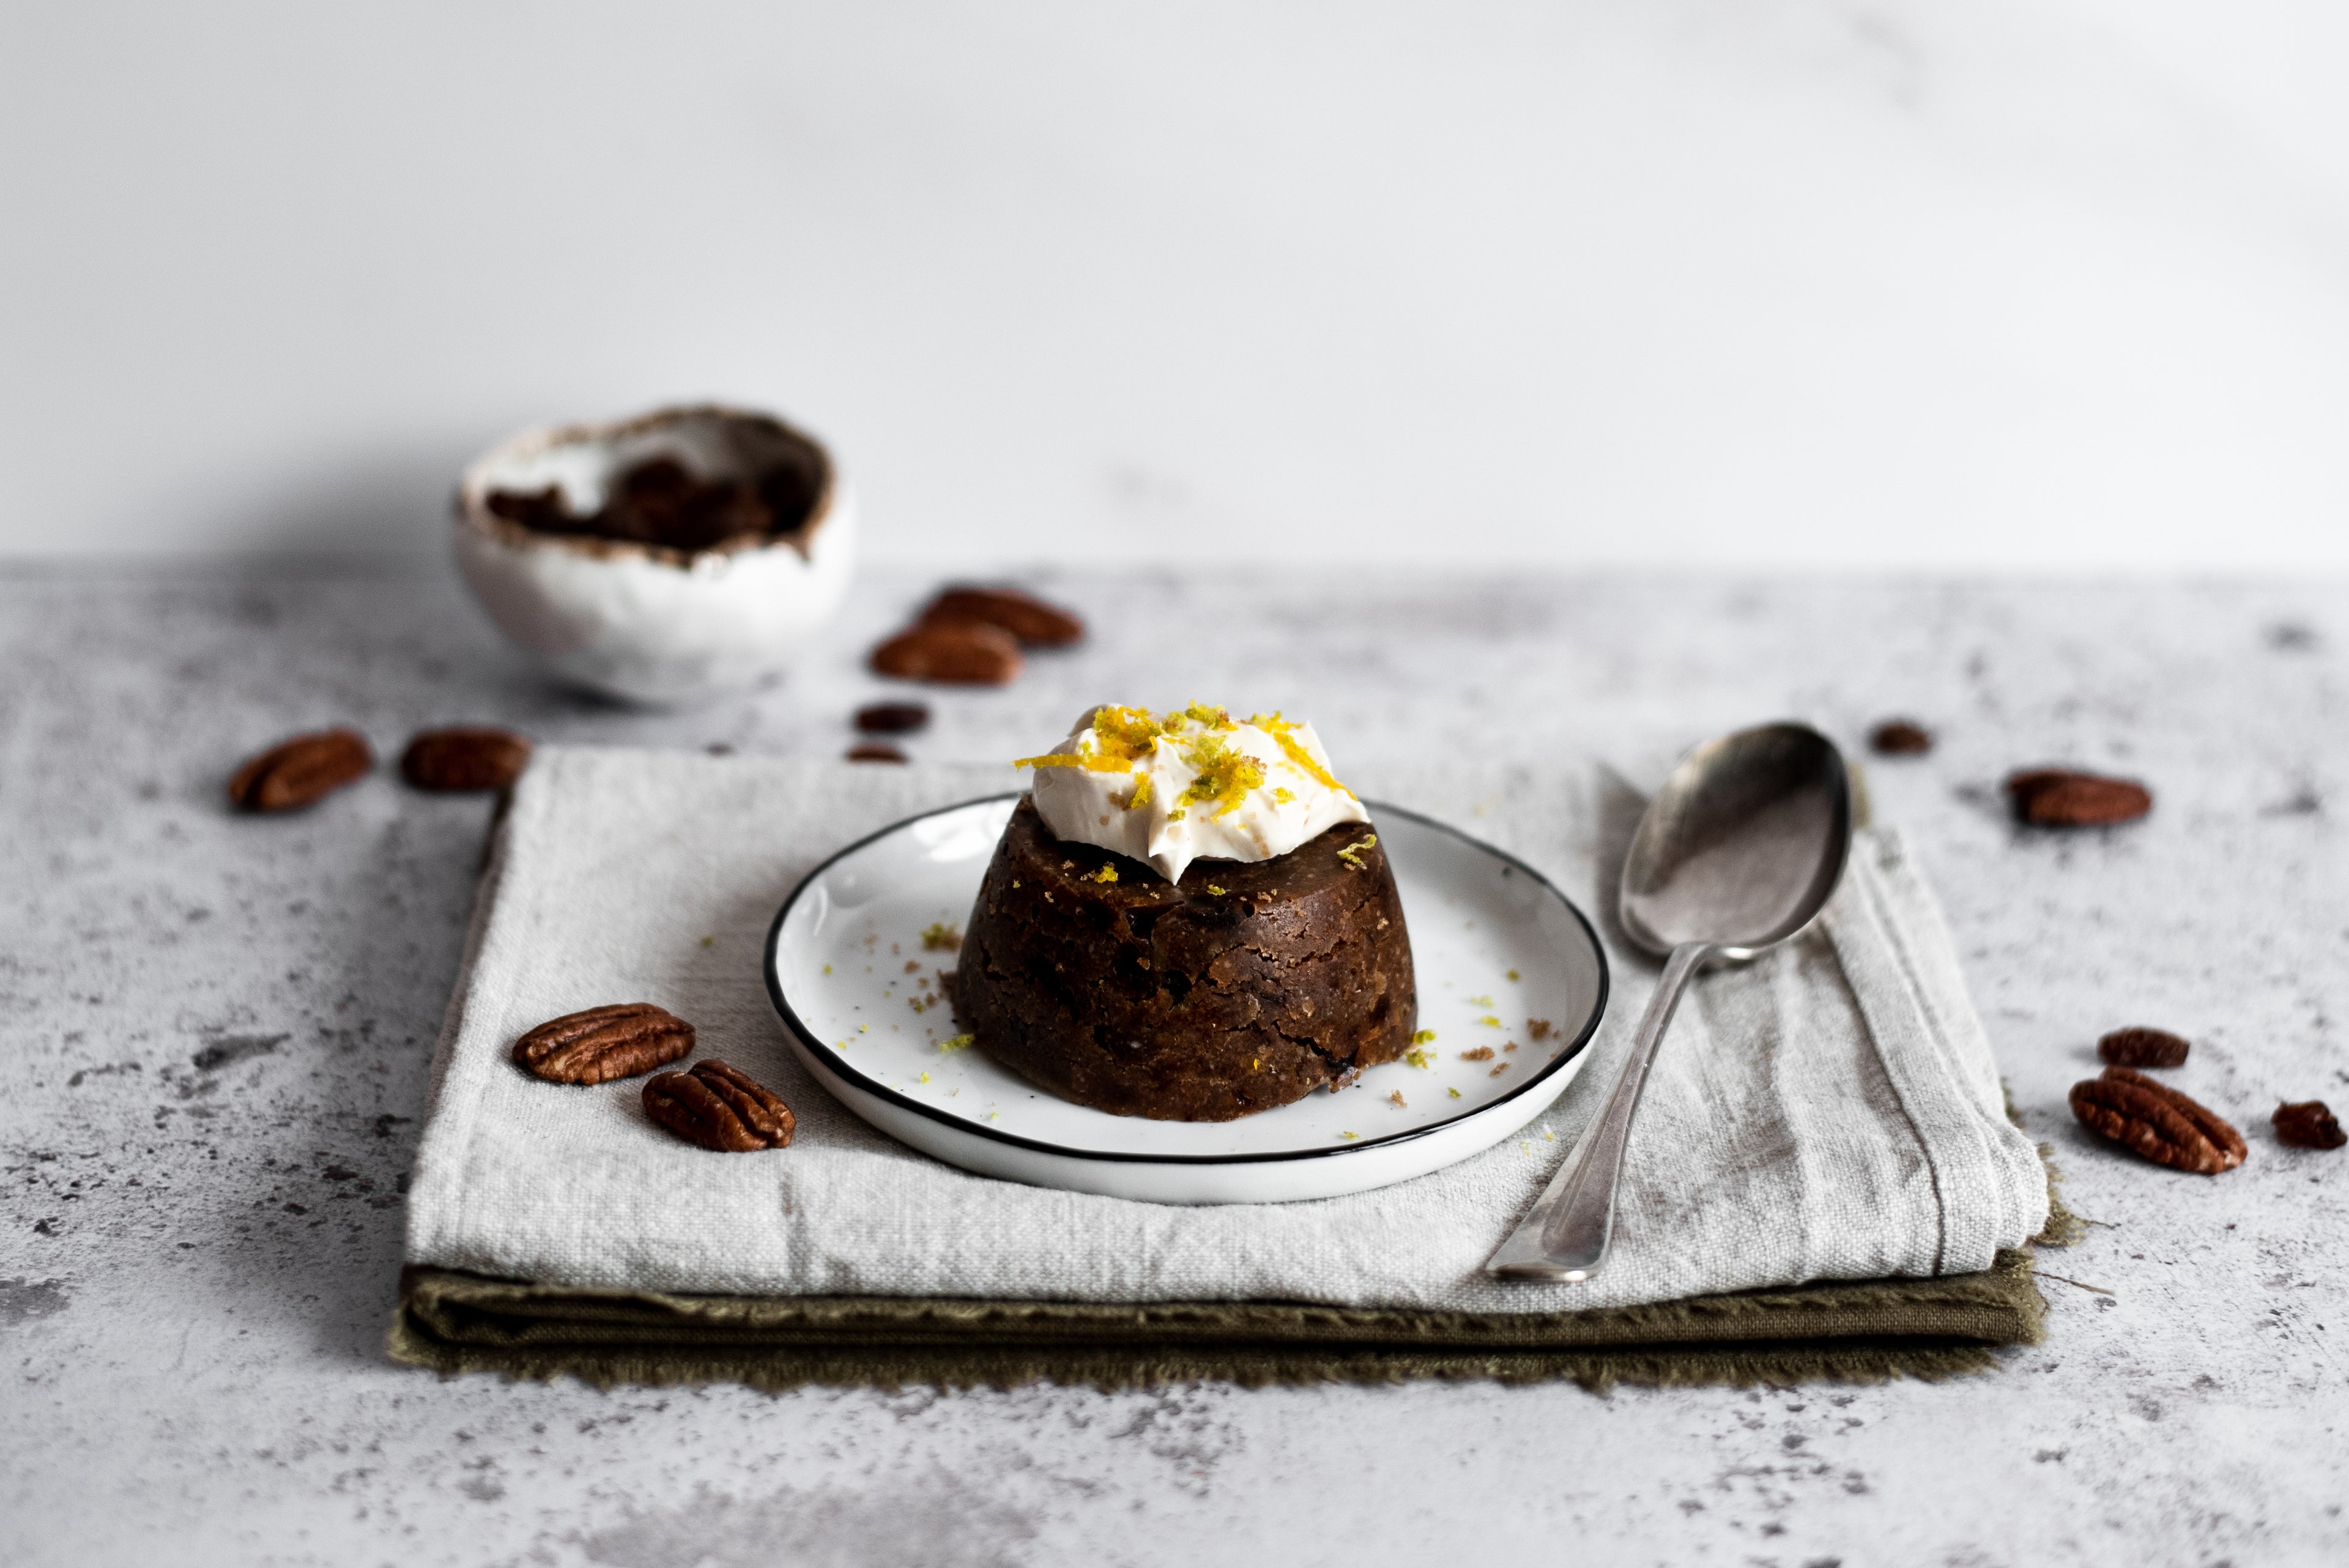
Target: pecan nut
(301, 772)
(892, 718)
(604, 1043)
(1901, 738)
(720, 1107)
(954, 653)
(2158, 1122)
(2143, 1048)
(466, 757)
(1035, 623)
(2307, 1124)
(2062, 797)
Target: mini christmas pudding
(1188, 918)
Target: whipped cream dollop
(1198, 785)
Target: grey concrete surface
(215, 1033)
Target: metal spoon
(1738, 852)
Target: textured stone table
(216, 1032)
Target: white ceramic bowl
(641, 621)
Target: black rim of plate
(832, 1062)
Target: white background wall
(2009, 284)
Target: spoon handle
(1565, 1235)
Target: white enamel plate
(1511, 981)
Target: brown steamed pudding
(1188, 918)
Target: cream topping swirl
(1194, 784)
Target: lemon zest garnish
(1352, 854)
(1108, 873)
(1481, 1001)
(1490, 1022)
(1127, 735)
(1284, 795)
(1513, 974)
(1423, 1037)
(1207, 718)
(1141, 795)
(956, 1043)
(924, 1078)
(1121, 738)
(1218, 892)
(827, 968)
(1222, 776)
(1094, 762)
(1299, 757)
(1454, 1093)
(941, 938)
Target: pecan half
(301, 772)
(954, 653)
(1901, 738)
(464, 757)
(2158, 1122)
(2060, 797)
(892, 718)
(2307, 1124)
(720, 1107)
(1024, 616)
(2143, 1048)
(604, 1043)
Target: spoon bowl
(1738, 852)
(1743, 846)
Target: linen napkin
(1830, 1113)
